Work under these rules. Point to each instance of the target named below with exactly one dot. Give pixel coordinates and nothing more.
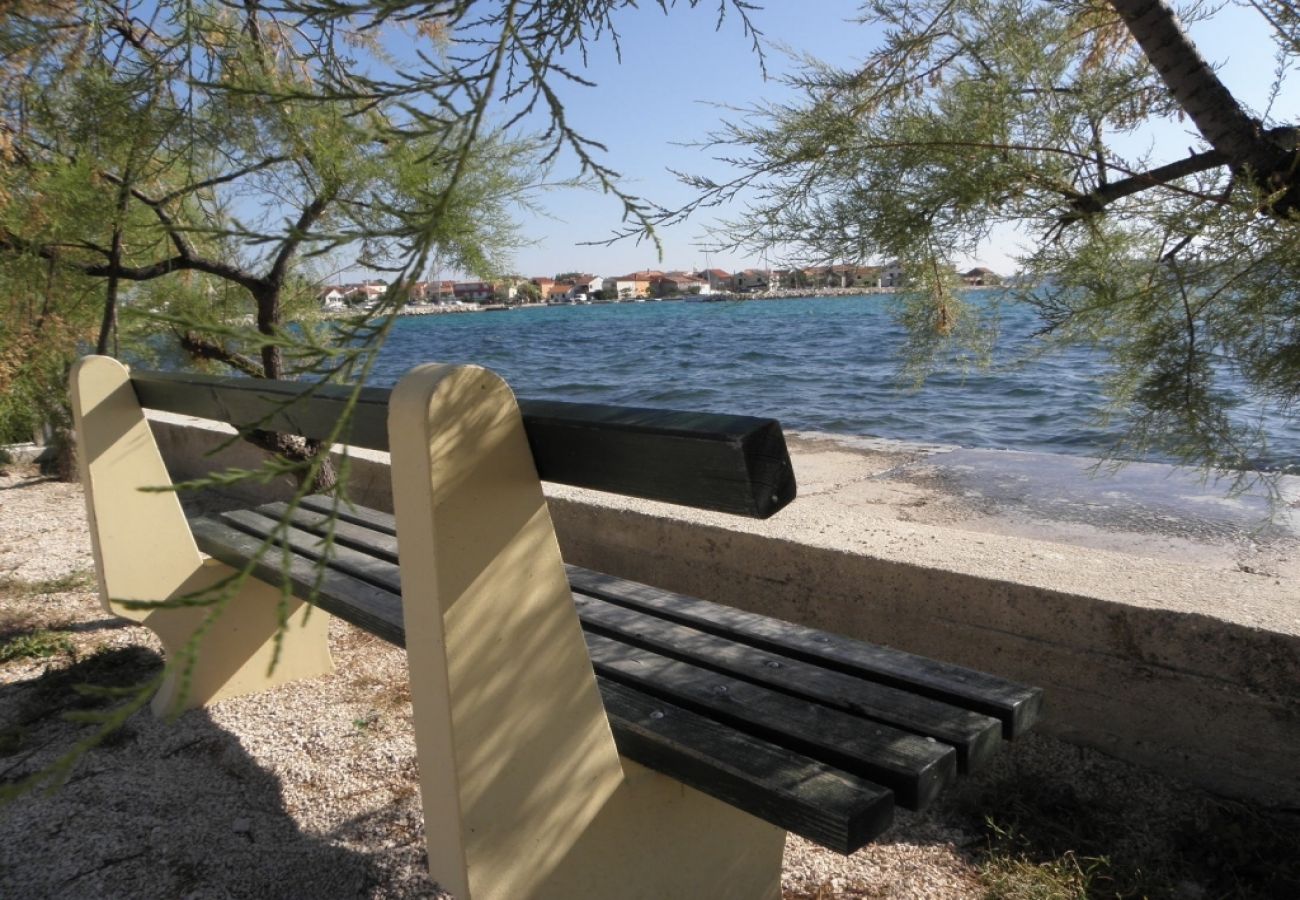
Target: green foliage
(35, 645)
(200, 166)
(529, 292)
(979, 115)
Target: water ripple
(826, 365)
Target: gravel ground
(310, 790)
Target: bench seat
(816, 733)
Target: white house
(333, 297)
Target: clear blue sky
(676, 69)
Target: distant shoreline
(434, 309)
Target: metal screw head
(657, 714)
(773, 664)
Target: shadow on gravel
(161, 810)
(1063, 821)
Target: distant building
(754, 280)
(841, 276)
(981, 277)
(506, 290)
(473, 291)
(718, 279)
(584, 285)
(333, 297)
(627, 287)
(558, 292)
(680, 283)
(891, 274)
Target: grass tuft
(18, 589)
(36, 645)
(1048, 839)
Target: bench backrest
(727, 463)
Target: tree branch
(12, 242)
(201, 347)
(1106, 194)
(310, 214)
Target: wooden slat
(1015, 705)
(373, 609)
(915, 768)
(743, 638)
(976, 737)
(733, 464)
(833, 808)
(825, 805)
(346, 533)
(356, 564)
(373, 519)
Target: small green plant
(36, 645)
(366, 724)
(18, 589)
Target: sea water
(821, 364)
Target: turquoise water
(815, 364)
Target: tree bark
(1215, 112)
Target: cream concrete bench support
(509, 723)
(144, 551)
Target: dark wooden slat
(975, 737)
(833, 808)
(346, 534)
(974, 734)
(915, 768)
(1015, 705)
(373, 519)
(359, 565)
(288, 406)
(371, 608)
(733, 464)
(825, 805)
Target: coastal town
(649, 284)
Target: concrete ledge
(1178, 656)
(28, 452)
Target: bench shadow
(159, 810)
(1048, 818)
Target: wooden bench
(579, 735)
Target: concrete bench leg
(144, 551)
(524, 793)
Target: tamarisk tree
(1181, 257)
(210, 161)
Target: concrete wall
(1190, 693)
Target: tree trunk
(268, 321)
(1208, 103)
